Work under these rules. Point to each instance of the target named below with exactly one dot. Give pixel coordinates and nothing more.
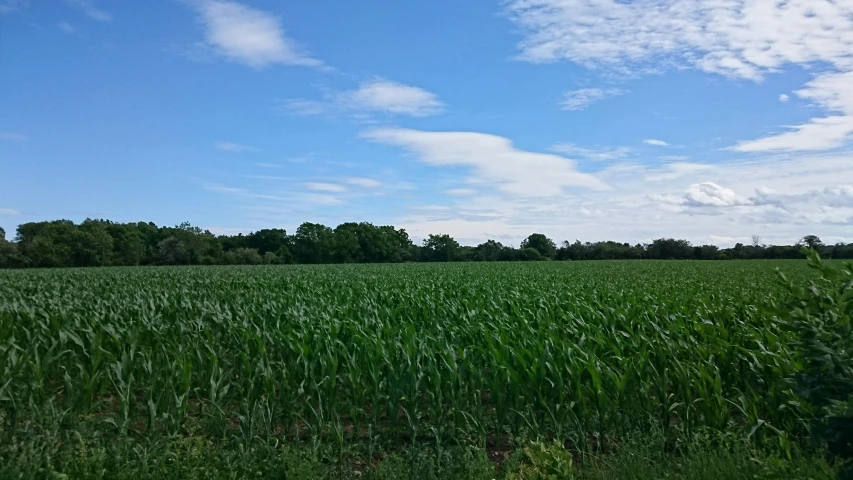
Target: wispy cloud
(383, 95)
(739, 39)
(89, 8)
(250, 36)
(9, 6)
(784, 98)
(376, 95)
(674, 170)
(9, 211)
(302, 106)
(832, 92)
(592, 153)
(325, 187)
(65, 27)
(493, 160)
(234, 147)
(581, 98)
(363, 182)
(655, 142)
(15, 137)
(461, 192)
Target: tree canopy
(62, 243)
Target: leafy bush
(545, 462)
(820, 317)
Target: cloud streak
(376, 95)
(89, 8)
(739, 39)
(580, 99)
(493, 161)
(234, 147)
(249, 36)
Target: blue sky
(581, 119)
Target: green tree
(811, 241)
(172, 251)
(440, 248)
(267, 240)
(313, 243)
(542, 244)
(530, 254)
(488, 251)
(93, 245)
(9, 256)
(666, 248)
(128, 244)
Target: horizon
(493, 120)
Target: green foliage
(369, 360)
(542, 244)
(545, 461)
(820, 317)
(440, 248)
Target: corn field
(429, 353)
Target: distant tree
(756, 241)
(811, 241)
(488, 251)
(440, 248)
(313, 243)
(267, 240)
(9, 256)
(544, 245)
(128, 244)
(530, 254)
(670, 248)
(271, 259)
(248, 256)
(706, 252)
(173, 252)
(93, 244)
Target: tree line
(91, 243)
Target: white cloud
(784, 98)
(319, 199)
(655, 142)
(581, 98)
(375, 95)
(246, 35)
(818, 134)
(832, 92)
(461, 192)
(596, 153)
(743, 39)
(9, 211)
(65, 27)
(827, 206)
(89, 8)
(779, 197)
(391, 97)
(739, 38)
(703, 195)
(324, 187)
(363, 182)
(9, 6)
(674, 170)
(302, 106)
(493, 161)
(217, 188)
(15, 137)
(234, 147)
